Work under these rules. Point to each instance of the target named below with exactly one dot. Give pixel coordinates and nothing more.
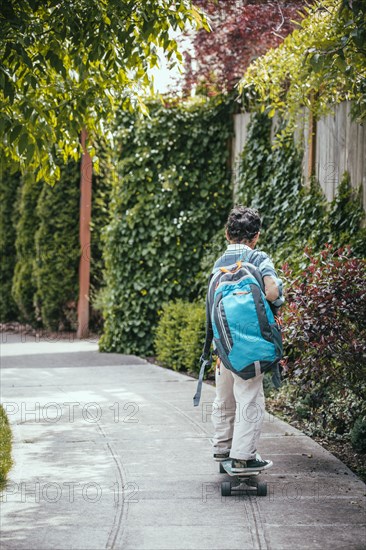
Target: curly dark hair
(243, 224)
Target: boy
(238, 409)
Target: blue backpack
(241, 323)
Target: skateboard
(247, 482)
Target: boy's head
(243, 225)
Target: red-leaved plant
(324, 323)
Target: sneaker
(219, 457)
(252, 465)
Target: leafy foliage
(180, 335)
(241, 31)
(173, 196)
(214, 248)
(9, 183)
(70, 65)
(320, 64)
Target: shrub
(180, 335)
(325, 339)
(193, 335)
(325, 321)
(358, 435)
(168, 344)
(24, 283)
(58, 251)
(9, 184)
(5, 451)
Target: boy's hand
(271, 288)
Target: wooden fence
(332, 145)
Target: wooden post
(86, 171)
(312, 137)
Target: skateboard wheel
(222, 469)
(262, 489)
(226, 489)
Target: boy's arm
(272, 284)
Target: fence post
(312, 145)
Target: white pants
(237, 414)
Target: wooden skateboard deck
(226, 464)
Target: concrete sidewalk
(110, 454)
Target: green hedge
(180, 335)
(173, 196)
(9, 184)
(58, 251)
(24, 283)
(44, 279)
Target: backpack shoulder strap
(206, 358)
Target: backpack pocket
(223, 327)
(277, 339)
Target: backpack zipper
(237, 282)
(226, 338)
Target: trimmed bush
(9, 184)
(5, 450)
(24, 283)
(168, 343)
(58, 251)
(358, 435)
(180, 335)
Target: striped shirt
(259, 259)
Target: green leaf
(23, 141)
(30, 152)
(15, 132)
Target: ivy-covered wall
(102, 187)
(294, 215)
(173, 194)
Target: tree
(70, 64)
(241, 31)
(320, 64)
